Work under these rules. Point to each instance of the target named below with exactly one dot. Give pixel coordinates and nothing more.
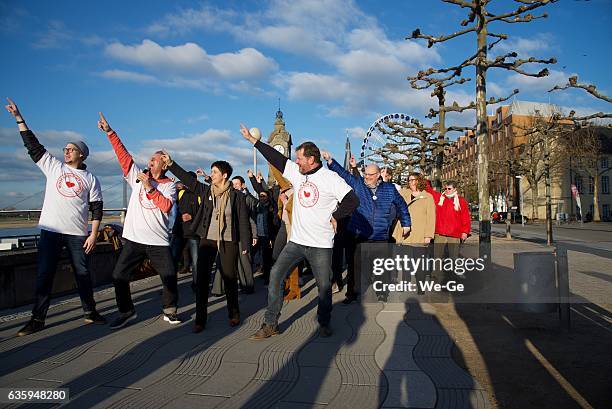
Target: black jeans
(49, 249)
(263, 247)
(228, 257)
(131, 256)
(353, 260)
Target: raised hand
(13, 110)
(103, 124)
(200, 172)
(326, 156)
(250, 173)
(165, 157)
(246, 134)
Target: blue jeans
(177, 244)
(49, 249)
(320, 261)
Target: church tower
(279, 139)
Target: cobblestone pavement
(380, 355)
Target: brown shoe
(234, 322)
(197, 328)
(266, 331)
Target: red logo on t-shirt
(308, 194)
(70, 185)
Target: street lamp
(519, 177)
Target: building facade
(516, 157)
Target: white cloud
(527, 47)
(123, 75)
(361, 63)
(192, 61)
(356, 132)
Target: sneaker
(325, 331)
(94, 317)
(335, 288)
(123, 319)
(31, 327)
(266, 331)
(233, 322)
(172, 318)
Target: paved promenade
(381, 355)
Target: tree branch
(431, 40)
(522, 9)
(591, 89)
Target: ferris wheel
(377, 146)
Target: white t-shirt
(67, 195)
(316, 197)
(145, 223)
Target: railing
(28, 212)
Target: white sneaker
(172, 318)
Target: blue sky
(182, 75)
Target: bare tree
(409, 146)
(572, 82)
(481, 20)
(540, 156)
(586, 148)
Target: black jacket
(187, 203)
(241, 227)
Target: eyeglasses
(68, 150)
(449, 188)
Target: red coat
(451, 222)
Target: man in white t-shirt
(146, 230)
(70, 192)
(321, 198)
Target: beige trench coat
(422, 215)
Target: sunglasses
(68, 150)
(449, 188)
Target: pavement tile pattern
(383, 355)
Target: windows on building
(605, 211)
(605, 185)
(604, 162)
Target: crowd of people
(313, 218)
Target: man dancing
(146, 230)
(322, 198)
(70, 192)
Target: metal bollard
(508, 233)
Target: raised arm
(343, 173)
(125, 159)
(35, 149)
(185, 177)
(258, 187)
(276, 159)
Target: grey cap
(82, 147)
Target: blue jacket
(372, 219)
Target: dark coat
(372, 219)
(241, 227)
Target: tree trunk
(482, 137)
(596, 214)
(439, 157)
(534, 199)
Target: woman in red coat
(452, 223)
